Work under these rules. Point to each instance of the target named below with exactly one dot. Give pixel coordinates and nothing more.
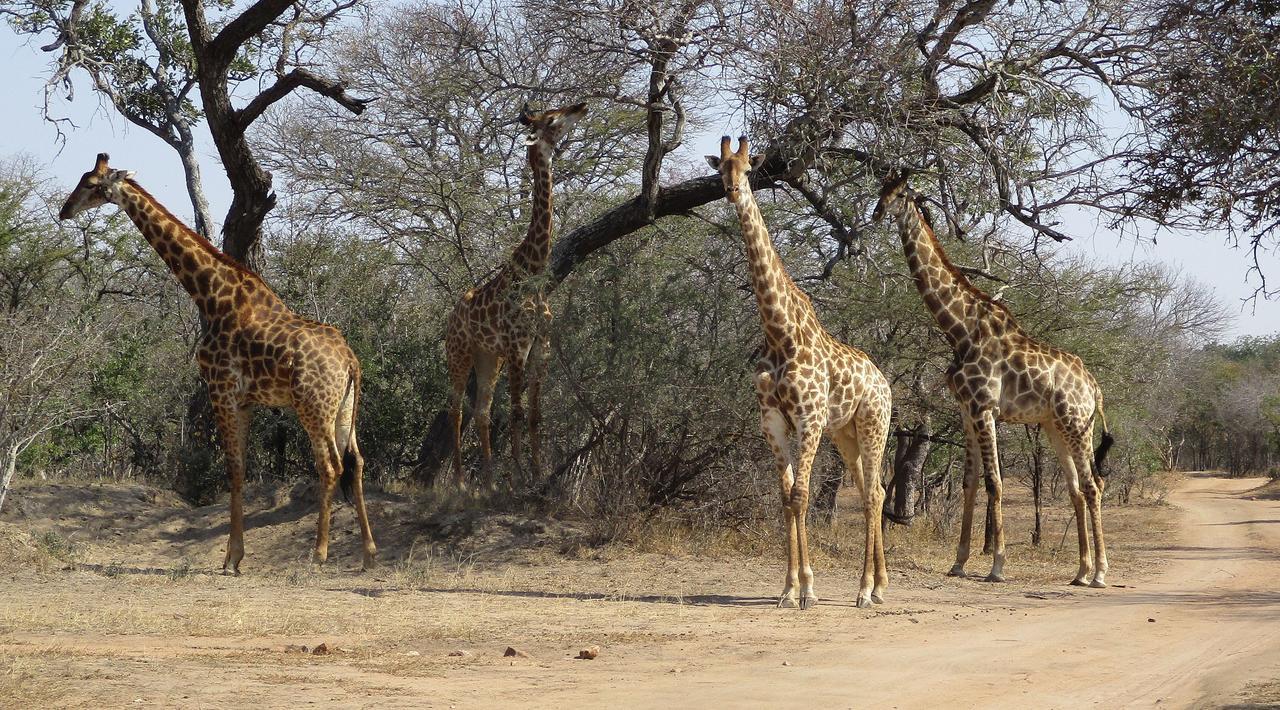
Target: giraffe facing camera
(808, 382)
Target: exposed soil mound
(1269, 491)
(151, 529)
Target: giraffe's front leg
(810, 438)
(537, 374)
(775, 432)
(986, 432)
(233, 420)
(972, 465)
(487, 368)
(516, 388)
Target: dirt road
(1197, 635)
(1194, 636)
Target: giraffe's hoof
(877, 598)
(864, 602)
(230, 571)
(807, 601)
(786, 602)
(1098, 584)
(994, 577)
(370, 562)
(956, 571)
(1079, 582)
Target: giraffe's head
(894, 195)
(97, 187)
(548, 128)
(735, 166)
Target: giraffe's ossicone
(253, 351)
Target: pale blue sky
(1205, 257)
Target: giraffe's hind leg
(347, 453)
(972, 466)
(1093, 486)
(846, 441)
(874, 435)
(328, 465)
(370, 557)
(1071, 473)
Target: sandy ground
(132, 616)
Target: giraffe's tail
(1100, 453)
(347, 480)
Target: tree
(1209, 153)
(40, 348)
(44, 339)
(147, 64)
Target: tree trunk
(908, 466)
(824, 504)
(8, 466)
(1037, 480)
(186, 148)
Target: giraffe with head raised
(1001, 374)
(508, 319)
(254, 351)
(808, 382)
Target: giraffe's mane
(195, 236)
(957, 274)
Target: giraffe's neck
(530, 257)
(948, 295)
(202, 270)
(769, 280)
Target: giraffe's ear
(713, 161)
(526, 115)
(122, 174)
(757, 161)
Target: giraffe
(807, 381)
(1001, 374)
(254, 351)
(508, 319)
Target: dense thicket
(1230, 410)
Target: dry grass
(33, 681)
(1256, 696)
(928, 545)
